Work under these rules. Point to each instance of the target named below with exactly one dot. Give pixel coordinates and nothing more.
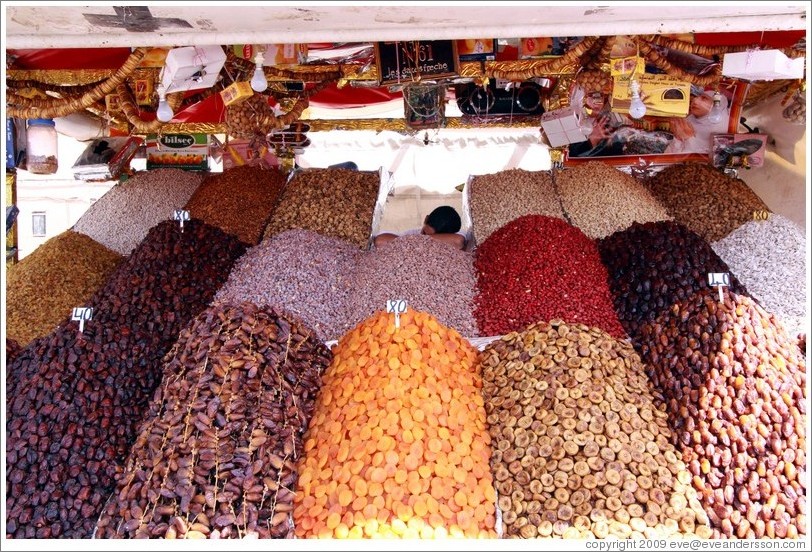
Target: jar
(41, 146)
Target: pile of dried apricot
(398, 445)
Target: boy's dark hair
(444, 220)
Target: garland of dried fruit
(132, 114)
(60, 107)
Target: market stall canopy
(32, 26)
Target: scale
(288, 143)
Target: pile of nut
(541, 268)
(651, 266)
(216, 454)
(57, 276)
(734, 385)
(704, 199)
(332, 202)
(580, 447)
(496, 199)
(250, 118)
(121, 218)
(428, 274)
(239, 201)
(75, 399)
(769, 257)
(301, 272)
(600, 200)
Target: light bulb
(259, 83)
(637, 108)
(585, 124)
(716, 111)
(164, 113)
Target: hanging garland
(60, 107)
(532, 68)
(708, 51)
(658, 61)
(132, 114)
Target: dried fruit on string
(541, 268)
(76, 399)
(57, 276)
(580, 447)
(216, 454)
(398, 446)
(651, 266)
(735, 390)
(239, 201)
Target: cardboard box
(178, 151)
(245, 152)
(627, 66)
(562, 127)
(275, 54)
(664, 96)
(192, 67)
(762, 65)
(236, 92)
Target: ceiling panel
(158, 24)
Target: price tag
(81, 314)
(719, 279)
(180, 215)
(397, 306)
(761, 215)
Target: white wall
(62, 198)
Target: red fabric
(70, 58)
(349, 96)
(774, 39)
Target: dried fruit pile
(654, 265)
(600, 200)
(398, 446)
(44, 286)
(75, 400)
(734, 384)
(332, 202)
(541, 268)
(121, 218)
(496, 199)
(580, 449)
(302, 273)
(429, 275)
(216, 455)
(12, 349)
(704, 199)
(239, 201)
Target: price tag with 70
(719, 279)
(180, 215)
(81, 314)
(397, 306)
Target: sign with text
(408, 61)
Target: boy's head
(443, 220)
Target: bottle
(42, 146)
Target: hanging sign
(407, 61)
